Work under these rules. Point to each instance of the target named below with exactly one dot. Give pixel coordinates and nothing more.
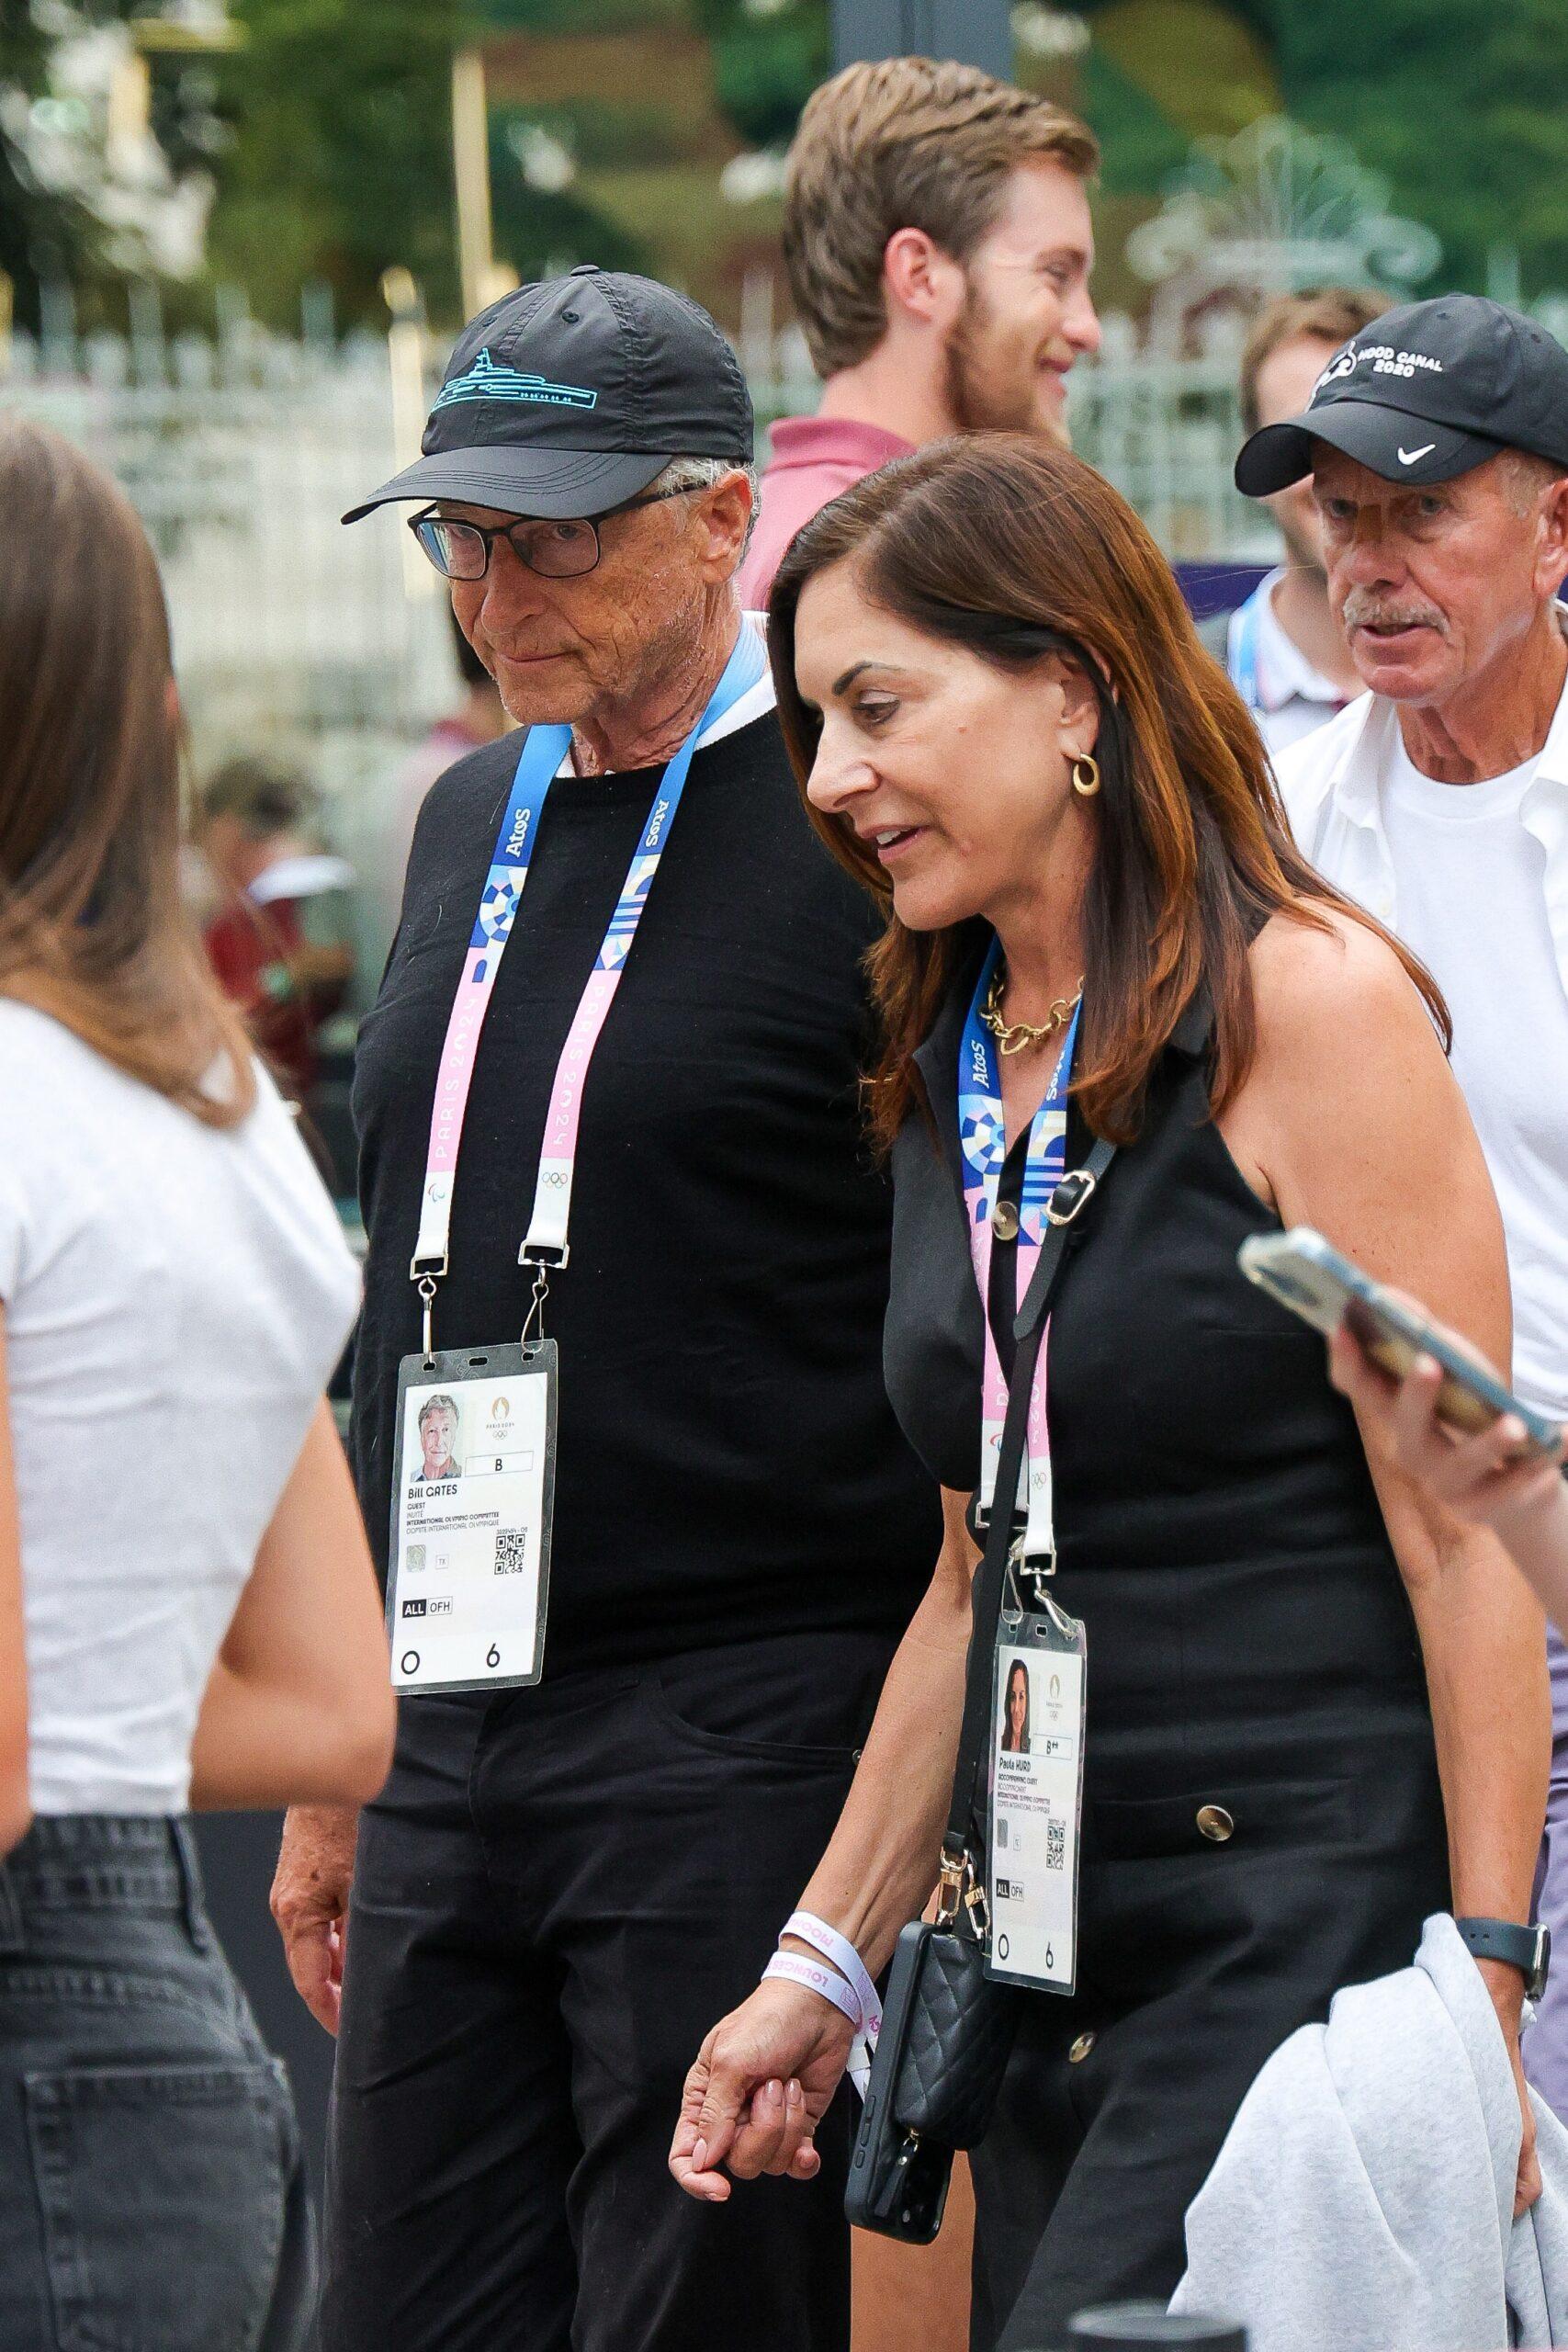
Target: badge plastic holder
(1034, 1827)
(490, 1646)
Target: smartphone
(1307, 1275)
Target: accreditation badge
(1037, 1799)
(473, 1490)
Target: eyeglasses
(555, 550)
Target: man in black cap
(1436, 441)
(566, 1879)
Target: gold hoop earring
(1085, 775)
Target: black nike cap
(1422, 394)
(569, 395)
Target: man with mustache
(938, 246)
(1436, 441)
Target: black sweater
(727, 1463)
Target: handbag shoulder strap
(1069, 1199)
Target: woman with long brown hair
(1315, 1707)
(187, 1611)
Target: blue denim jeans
(152, 2198)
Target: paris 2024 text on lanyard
(473, 1475)
(1038, 1667)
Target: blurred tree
(341, 160)
(1463, 104)
(104, 156)
(38, 236)
(1477, 150)
(568, 16)
(541, 222)
(768, 55)
(341, 157)
(767, 60)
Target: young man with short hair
(938, 246)
(1283, 648)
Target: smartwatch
(1527, 1949)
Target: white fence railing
(241, 457)
(242, 452)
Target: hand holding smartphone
(1308, 1275)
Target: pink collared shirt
(814, 457)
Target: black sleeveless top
(1216, 1524)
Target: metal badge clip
(1030, 1574)
(537, 1304)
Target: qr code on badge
(512, 1551)
(1056, 1845)
(416, 1556)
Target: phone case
(1308, 1275)
(897, 2181)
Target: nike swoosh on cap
(1408, 457)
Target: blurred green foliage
(566, 17)
(341, 161)
(49, 234)
(765, 64)
(329, 133)
(1461, 104)
(540, 231)
(37, 238)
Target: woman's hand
(1505, 1987)
(1483, 1479)
(765, 2073)
(1526, 2180)
(761, 2086)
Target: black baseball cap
(568, 396)
(1422, 394)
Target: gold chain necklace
(1013, 1037)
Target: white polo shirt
(1473, 878)
(1285, 694)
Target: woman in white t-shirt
(188, 1614)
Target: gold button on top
(1004, 1221)
(1081, 2049)
(1215, 1823)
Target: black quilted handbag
(947, 2031)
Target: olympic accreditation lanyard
(471, 1547)
(1038, 1711)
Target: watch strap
(1527, 1949)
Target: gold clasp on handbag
(954, 1878)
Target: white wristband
(808, 1929)
(797, 1969)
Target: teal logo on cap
(486, 381)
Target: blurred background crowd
(236, 241)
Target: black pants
(559, 1893)
(1196, 1960)
(151, 2189)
